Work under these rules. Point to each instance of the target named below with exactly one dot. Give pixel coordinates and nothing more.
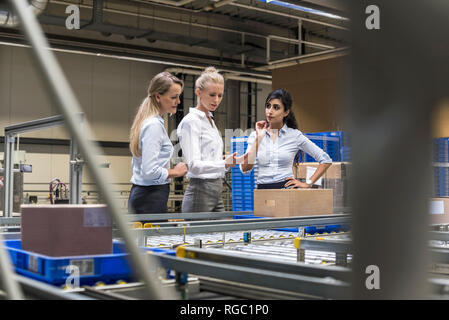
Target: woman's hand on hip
(296, 184)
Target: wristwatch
(309, 182)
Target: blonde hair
(149, 107)
(210, 74)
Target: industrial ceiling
(242, 36)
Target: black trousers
(149, 199)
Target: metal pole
(66, 101)
(76, 174)
(8, 175)
(268, 50)
(393, 86)
(243, 55)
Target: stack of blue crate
(345, 146)
(335, 143)
(441, 173)
(243, 185)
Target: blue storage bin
(441, 181)
(108, 268)
(338, 150)
(242, 184)
(311, 229)
(245, 216)
(236, 207)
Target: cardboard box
(293, 202)
(66, 230)
(335, 178)
(439, 210)
(338, 170)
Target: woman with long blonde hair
(151, 147)
(202, 146)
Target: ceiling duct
(9, 19)
(226, 75)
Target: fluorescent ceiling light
(304, 9)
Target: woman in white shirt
(275, 143)
(202, 147)
(151, 147)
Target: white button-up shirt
(202, 146)
(151, 168)
(275, 159)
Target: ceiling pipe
(344, 49)
(288, 15)
(164, 61)
(244, 33)
(216, 5)
(178, 21)
(307, 58)
(226, 75)
(232, 3)
(298, 41)
(170, 3)
(10, 19)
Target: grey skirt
(203, 195)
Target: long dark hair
(286, 100)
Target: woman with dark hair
(275, 143)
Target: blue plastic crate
(107, 268)
(311, 229)
(240, 188)
(338, 150)
(240, 208)
(242, 179)
(245, 216)
(441, 181)
(243, 202)
(242, 184)
(242, 193)
(331, 147)
(441, 149)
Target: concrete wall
(316, 93)
(109, 92)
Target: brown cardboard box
(292, 202)
(66, 230)
(338, 170)
(439, 210)
(335, 178)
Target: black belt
(276, 185)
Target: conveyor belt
(271, 243)
(172, 241)
(283, 251)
